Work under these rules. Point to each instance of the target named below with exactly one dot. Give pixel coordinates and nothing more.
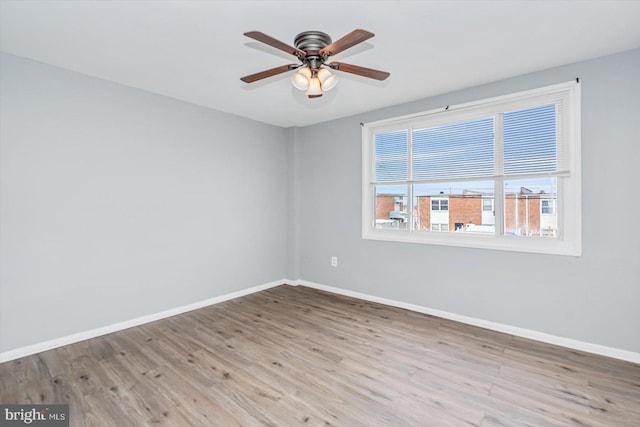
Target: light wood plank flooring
(298, 356)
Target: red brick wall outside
(465, 210)
(423, 208)
(522, 227)
(534, 215)
(384, 205)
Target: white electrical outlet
(334, 261)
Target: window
(439, 204)
(548, 206)
(505, 172)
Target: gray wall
(117, 203)
(594, 298)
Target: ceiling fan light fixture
(314, 89)
(328, 79)
(300, 79)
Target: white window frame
(568, 205)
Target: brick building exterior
(526, 213)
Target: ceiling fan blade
(262, 37)
(268, 73)
(361, 71)
(351, 39)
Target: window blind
(392, 156)
(531, 141)
(532, 145)
(463, 149)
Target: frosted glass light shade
(327, 79)
(300, 79)
(314, 87)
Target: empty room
(319, 213)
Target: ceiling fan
(313, 49)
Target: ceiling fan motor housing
(312, 42)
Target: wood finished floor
(298, 356)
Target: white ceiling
(195, 50)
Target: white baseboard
(81, 336)
(602, 350)
(629, 356)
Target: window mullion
(410, 153)
(410, 206)
(498, 183)
(372, 158)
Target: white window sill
(541, 245)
